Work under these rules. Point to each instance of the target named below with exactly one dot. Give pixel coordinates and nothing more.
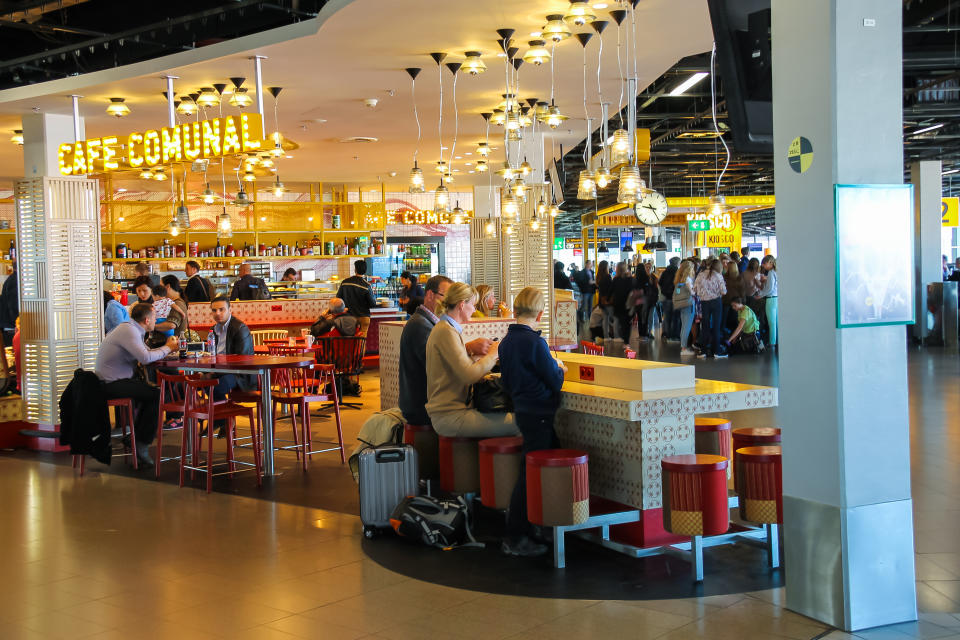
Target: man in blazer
(231, 337)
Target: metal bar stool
(126, 410)
(591, 349)
(172, 400)
(200, 406)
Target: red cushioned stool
(500, 460)
(760, 478)
(712, 437)
(694, 491)
(459, 464)
(558, 487)
(423, 439)
(755, 437)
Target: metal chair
(345, 353)
(591, 349)
(172, 400)
(260, 337)
(300, 387)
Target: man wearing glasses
(413, 351)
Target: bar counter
(626, 431)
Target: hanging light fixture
(118, 108)
(224, 223)
(416, 179)
(554, 210)
(187, 106)
(483, 149)
(554, 118)
(473, 64)
(519, 190)
(241, 200)
(498, 117)
(442, 167)
(208, 195)
(717, 205)
(620, 148)
(441, 199)
(507, 171)
(542, 208)
(490, 228)
(174, 227)
(525, 168)
(535, 222)
(508, 229)
(277, 150)
(17, 137)
(208, 98)
(249, 176)
(146, 174)
(481, 166)
(509, 206)
(556, 30)
(160, 174)
(586, 185)
(579, 14)
(631, 185)
(240, 98)
(416, 174)
(537, 53)
(278, 188)
(603, 177)
(457, 214)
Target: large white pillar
(43, 133)
(927, 196)
(848, 528)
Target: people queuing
(357, 294)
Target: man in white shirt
(120, 352)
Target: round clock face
(652, 208)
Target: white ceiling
(360, 52)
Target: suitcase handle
(391, 455)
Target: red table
(260, 365)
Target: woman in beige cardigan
(451, 372)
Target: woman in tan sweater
(451, 372)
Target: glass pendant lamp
(620, 148)
(586, 186)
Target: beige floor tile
(59, 625)
(304, 627)
(540, 609)
(225, 616)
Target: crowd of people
(712, 307)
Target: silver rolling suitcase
(388, 474)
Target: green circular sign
(800, 154)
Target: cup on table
(304, 332)
(308, 339)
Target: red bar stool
(694, 493)
(423, 439)
(172, 400)
(712, 437)
(126, 428)
(558, 487)
(760, 478)
(299, 387)
(500, 460)
(755, 437)
(459, 464)
(200, 406)
(591, 348)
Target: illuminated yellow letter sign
(214, 138)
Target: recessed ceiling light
(501, 55)
(121, 190)
(537, 34)
(468, 153)
(468, 164)
(289, 157)
(458, 157)
(444, 148)
(472, 171)
(393, 174)
(600, 5)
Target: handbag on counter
(489, 396)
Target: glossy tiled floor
(110, 556)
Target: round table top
(255, 361)
(265, 348)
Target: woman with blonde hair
(487, 304)
(768, 292)
(452, 372)
(683, 303)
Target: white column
(43, 133)
(927, 196)
(848, 526)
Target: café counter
(626, 414)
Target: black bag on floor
(437, 523)
(489, 396)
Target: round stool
(423, 439)
(500, 460)
(558, 487)
(713, 436)
(459, 467)
(694, 491)
(755, 437)
(760, 484)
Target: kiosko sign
(212, 138)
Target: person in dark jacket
(560, 279)
(335, 321)
(623, 284)
(671, 329)
(231, 337)
(9, 306)
(357, 294)
(605, 297)
(532, 379)
(249, 287)
(198, 288)
(587, 284)
(411, 295)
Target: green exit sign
(558, 244)
(698, 225)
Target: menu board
(874, 278)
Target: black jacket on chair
(239, 342)
(84, 419)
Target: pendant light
(490, 228)
(620, 148)
(241, 200)
(249, 176)
(554, 210)
(603, 177)
(278, 188)
(551, 114)
(586, 183)
(224, 223)
(483, 149)
(509, 206)
(535, 221)
(208, 98)
(473, 64)
(160, 174)
(187, 106)
(17, 137)
(118, 108)
(631, 185)
(240, 98)
(586, 186)
(525, 168)
(579, 14)
(183, 214)
(208, 195)
(537, 53)
(556, 30)
(441, 196)
(146, 174)
(416, 174)
(277, 150)
(441, 199)
(481, 166)
(458, 214)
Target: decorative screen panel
(528, 257)
(485, 255)
(61, 304)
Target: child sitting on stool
(533, 379)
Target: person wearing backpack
(532, 379)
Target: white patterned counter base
(390, 351)
(628, 433)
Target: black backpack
(437, 523)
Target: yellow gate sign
(949, 212)
(726, 230)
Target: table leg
(266, 410)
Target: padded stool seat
(423, 439)
(558, 487)
(500, 460)
(712, 436)
(459, 464)
(760, 484)
(755, 437)
(694, 491)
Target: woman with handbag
(451, 373)
(683, 303)
(709, 288)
